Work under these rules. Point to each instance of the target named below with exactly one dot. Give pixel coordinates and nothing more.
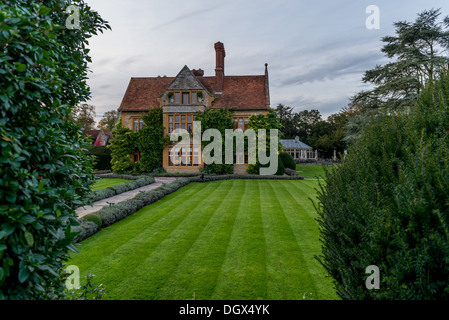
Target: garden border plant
(112, 214)
(139, 181)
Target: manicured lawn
(310, 171)
(234, 239)
(106, 183)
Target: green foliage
(322, 135)
(387, 204)
(418, 53)
(122, 146)
(89, 291)
(93, 218)
(102, 157)
(287, 160)
(220, 119)
(44, 172)
(267, 122)
(139, 181)
(109, 120)
(281, 169)
(151, 141)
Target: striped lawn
(234, 239)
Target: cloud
(185, 16)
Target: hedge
(102, 155)
(387, 205)
(139, 181)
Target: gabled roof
(294, 144)
(142, 93)
(239, 92)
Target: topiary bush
(281, 169)
(287, 160)
(386, 204)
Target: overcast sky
(317, 51)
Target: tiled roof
(142, 93)
(294, 144)
(240, 92)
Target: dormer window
(185, 97)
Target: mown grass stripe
(305, 228)
(243, 275)
(197, 274)
(154, 270)
(145, 230)
(289, 278)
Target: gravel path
(82, 211)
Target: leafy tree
(286, 115)
(418, 53)
(44, 173)
(85, 116)
(304, 122)
(108, 121)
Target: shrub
(290, 172)
(281, 169)
(102, 155)
(93, 218)
(44, 172)
(287, 160)
(386, 205)
(84, 230)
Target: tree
(304, 122)
(418, 50)
(85, 116)
(122, 146)
(286, 115)
(108, 121)
(44, 173)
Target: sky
(317, 51)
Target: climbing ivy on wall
(149, 140)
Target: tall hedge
(387, 205)
(102, 157)
(44, 172)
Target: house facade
(189, 92)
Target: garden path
(82, 211)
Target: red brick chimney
(219, 67)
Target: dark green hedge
(287, 160)
(102, 155)
(387, 205)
